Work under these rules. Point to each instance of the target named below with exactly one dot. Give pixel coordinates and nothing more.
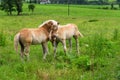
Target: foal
(33, 36)
(65, 32)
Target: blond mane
(45, 23)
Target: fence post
(68, 8)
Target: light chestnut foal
(65, 32)
(33, 36)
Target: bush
(31, 7)
(82, 62)
(99, 46)
(116, 34)
(2, 39)
(105, 8)
(117, 72)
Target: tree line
(11, 5)
(75, 1)
(16, 5)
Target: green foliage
(60, 66)
(7, 6)
(2, 38)
(115, 34)
(11, 5)
(117, 72)
(82, 62)
(18, 5)
(99, 46)
(31, 7)
(2, 61)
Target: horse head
(50, 25)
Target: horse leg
(22, 51)
(55, 44)
(45, 49)
(70, 44)
(64, 45)
(27, 50)
(77, 44)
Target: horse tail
(16, 41)
(80, 34)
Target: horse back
(25, 36)
(33, 36)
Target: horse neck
(45, 28)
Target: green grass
(99, 59)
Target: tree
(31, 7)
(11, 5)
(118, 1)
(7, 6)
(112, 6)
(18, 4)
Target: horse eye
(58, 23)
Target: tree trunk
(18, 13)
(10, 12)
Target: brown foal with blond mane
(65, 32)
(33, 36)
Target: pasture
(99, 57)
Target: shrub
(82, 62)
(2, 39)
(93, 20)
(59, 65)
(117, 72)
(99, 46)
(105, 8)
(115, 34)
(31, 7)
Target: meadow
(99, 57)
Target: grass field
(99, 59)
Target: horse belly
(69, 35)
(38, 40)
(34, 42)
